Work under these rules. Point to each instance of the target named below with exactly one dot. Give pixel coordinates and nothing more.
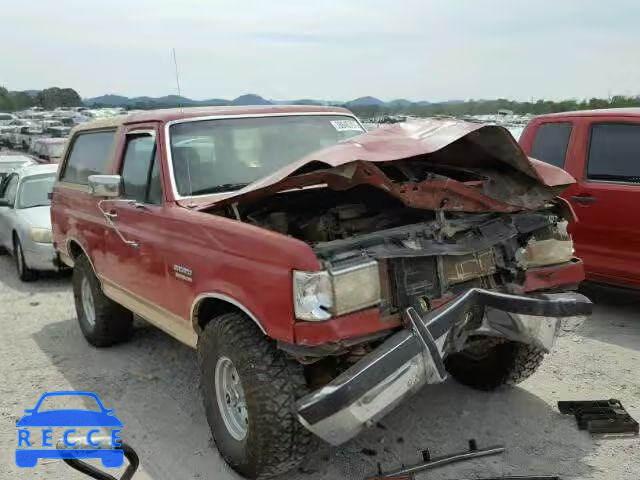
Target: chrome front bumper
(414, 357)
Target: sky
(432, 50)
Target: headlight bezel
(336, 291)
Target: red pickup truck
(323, 273)
(601, 149)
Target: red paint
(607, 233)
(545, 278)
(348, 326)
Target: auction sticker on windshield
(55, 429)
(346, 125)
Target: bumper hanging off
(414, 357)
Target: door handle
(584, 199)
(111, 216)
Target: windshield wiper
(225, 187)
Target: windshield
(212, 156)
(69, 402)
(34, 191)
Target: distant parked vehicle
(6, 118)
(48, 149)
(10, 162)
(25, 219)
(7, 130)
(23, 136)
(601, 149)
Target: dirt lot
(151, 382)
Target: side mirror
(106, 186)
(4, 203)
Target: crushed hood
(513, 181)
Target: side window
(89, 156)
(140, 171)
(10, 187)
(551, 142)
(614, 152)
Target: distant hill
(172, 101)
(250, 99)
(116, 100)
(400, 103)
(111, 100)
(365, 102)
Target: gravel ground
(151, 382)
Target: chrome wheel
(231, 399)
(87, 302)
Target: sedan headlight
(321, 295)
(41, 235)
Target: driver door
(135, 270)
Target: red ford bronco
(323, 273)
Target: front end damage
(414, 356)
(444, 229)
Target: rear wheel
(490, 366)
(102, 321)
(249, 389)
(25, 273)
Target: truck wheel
(102, 321)
(507, 363)
(25, 274)
(249, 390)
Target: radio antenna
(175, 63)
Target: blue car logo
(110, 455)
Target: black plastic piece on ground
(426, 455)
(93, 472)
(473, 445)
(600, 416)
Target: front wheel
(25, 273)
(489, 365)
(249, 389)
(102, 321)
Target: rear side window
(551, 142)
(614, 152)
(89, 156)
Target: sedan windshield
(34, 191)
(211, 156)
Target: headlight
(320, 295)
(312, 298)
(547, 251)
(41, 235)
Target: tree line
(487, 107)
(49, 98)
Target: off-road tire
(275, 441)
(25, 274)
(505, 364)
(113, 323)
